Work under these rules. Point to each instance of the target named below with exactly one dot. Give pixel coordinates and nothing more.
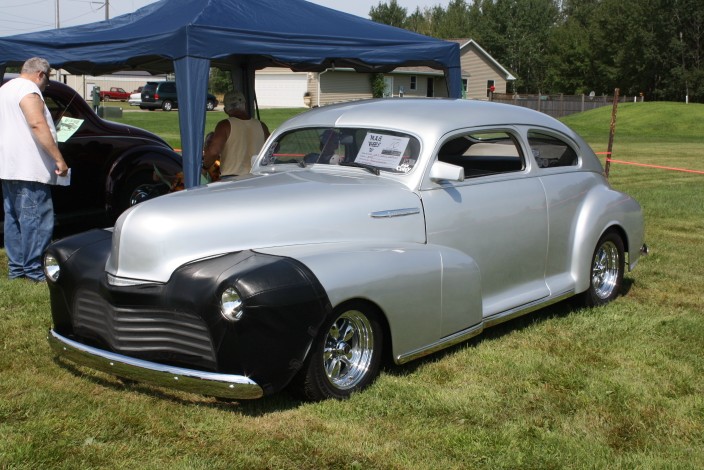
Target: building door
(431, 88)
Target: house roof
(466, 43)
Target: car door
(497, 216)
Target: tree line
(654, 47)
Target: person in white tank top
(235, 139)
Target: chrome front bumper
(188, 380)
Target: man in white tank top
(30, 162)
(235, 139)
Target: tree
(392, 14)
(220, 81)
(452, 23)
(419, 22)
(378, 85)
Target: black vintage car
(112, 165)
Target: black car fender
(283, 307)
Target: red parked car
(114, 93)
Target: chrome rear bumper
(188, 380)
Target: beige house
(284, 88)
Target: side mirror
(441, 171)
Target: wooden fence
(561, 105)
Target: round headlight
(51, 267)
(231, 305)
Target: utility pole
(107, 10)
(684, 73)
(58, 25)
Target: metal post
(612, 131)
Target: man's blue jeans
(29, 223)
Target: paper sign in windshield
(381, 150)
(67, 127)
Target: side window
(58, 108)
(484, 153)
(550, 152)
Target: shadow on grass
(559, 310)
(261, 406)
(283, 401)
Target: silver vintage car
(366, 230)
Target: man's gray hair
(36, 64)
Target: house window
(414, 82)
(465, 87)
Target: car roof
(433, 115)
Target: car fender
(425, 292)
(603, 209)
(139, 159)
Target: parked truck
(114, 93)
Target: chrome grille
(153, 334)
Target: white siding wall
(480, 71)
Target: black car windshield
(373, 149)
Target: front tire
(345, 356)
(138, 188)
(606, 271)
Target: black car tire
(167, 105)
(210, 105)
(138, 188)
(605, 271)
(345, 356)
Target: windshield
(377, 150)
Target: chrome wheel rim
(349, 348)
(141, 193)
(605, 270)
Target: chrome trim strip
(464, 335)
(443, 343)
(525, 309)
(395, 213)
(188, 380)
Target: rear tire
(345, 356)
(167, 105)
(606, 271)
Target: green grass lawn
(166, 125)
(620, 386)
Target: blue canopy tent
(189, 36)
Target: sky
(26, 16)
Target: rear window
(550, 152)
